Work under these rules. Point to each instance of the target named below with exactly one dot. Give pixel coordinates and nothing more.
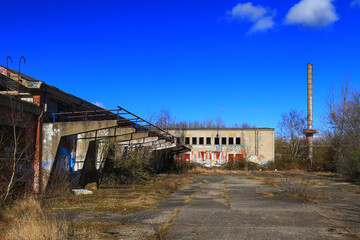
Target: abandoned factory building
(59, 132)
(215, 147)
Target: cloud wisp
(99, 104)
(261, 17)
(312, 13)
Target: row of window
(208, 141)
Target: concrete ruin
(70, 132)
(216, 147)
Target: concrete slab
(232, 206)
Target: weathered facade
(69, 132)
(215, 147)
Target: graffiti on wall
(4, 71)
(211, 158)
(219, 155)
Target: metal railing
(113, 114)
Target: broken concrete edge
(81, 191)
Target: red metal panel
(187, 158)
(239, 158)
(231, 158)
(202, 155)
(183, 160)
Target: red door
(231, 158)
(239, 158)
(187, 158)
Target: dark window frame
(217, 141)
(223, 141)
(231, 141)
(187, 140)
(208, 141)
(238, 141)
(201, 140)
(194, 142)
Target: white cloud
(262, 24)
(355, 3)
(312, 13)
(99, 104)
(261, 17)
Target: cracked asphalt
(239, 206)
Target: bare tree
(16, 149)
(343, 131)
(291, 136)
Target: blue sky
(243, 61)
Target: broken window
(187, 140)
(208, 140)
(238, 141)
(217, 141)
(223, 141)
(231, 141)
(194, 140)
(201, 140)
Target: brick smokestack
(310, 95)
(309, 132)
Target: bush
(237, 165)
(61, 184)
(133, 166)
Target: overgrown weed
(300, 189)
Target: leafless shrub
(300, 189)
(17, 134)
(297, 189)
(61, 184)
(343, 131)
(270, 181)
(165, 186)
(134, 165)
(159, 233)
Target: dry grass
(166, 185)
(124, 199)
(226, 194)
(198, 234)
(357, 191)
(252, 177)
(313, 182)
(266, 194)
(300, 189)
(188, 199)
(27, 220)
(270, 181)
(161, 231)
(205, 170)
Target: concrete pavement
(239, 206)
